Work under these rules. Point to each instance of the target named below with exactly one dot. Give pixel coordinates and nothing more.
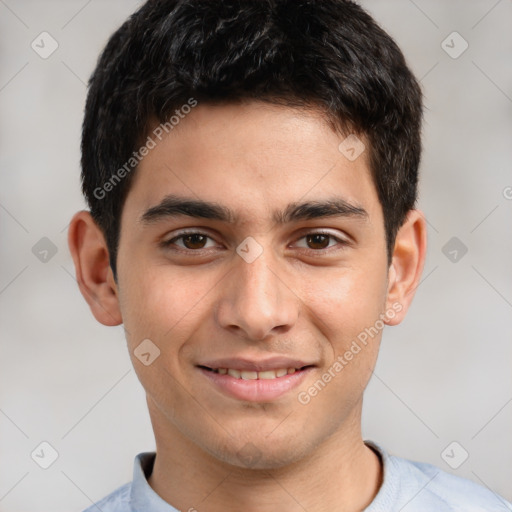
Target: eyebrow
(174, 206)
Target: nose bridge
(257, 301)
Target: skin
(299, 299)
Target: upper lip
(261, 365)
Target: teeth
(251, 375)
(269, 374)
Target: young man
(251, 170)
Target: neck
(341, 474)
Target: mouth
(255, 385)
(255, 375)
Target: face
(252, 255)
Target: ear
(406, 265)
(93, 273)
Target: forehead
(254, 158)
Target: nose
(256, 300)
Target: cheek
(157, 303)
(163, 307)
(346, 309)
(345, 302)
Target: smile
(255, 386)
(252, 375)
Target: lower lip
(256, 390)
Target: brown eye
(190, 241)
(194, 241)
(321, 242)
(317, 241)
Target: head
(251, 170)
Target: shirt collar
(388, 493)
(142, 496)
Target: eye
(196, 241)
(192, 241)
(319, 241)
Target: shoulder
(423, 485)
(117, 501)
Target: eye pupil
(318, 239)
(194, 240)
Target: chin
(260, 454)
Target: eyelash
(169, 243)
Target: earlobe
(93, 273)
(407, 265)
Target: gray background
(444, 375)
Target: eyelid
(342, 241)
(167, 242)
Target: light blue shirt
(407, 487)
